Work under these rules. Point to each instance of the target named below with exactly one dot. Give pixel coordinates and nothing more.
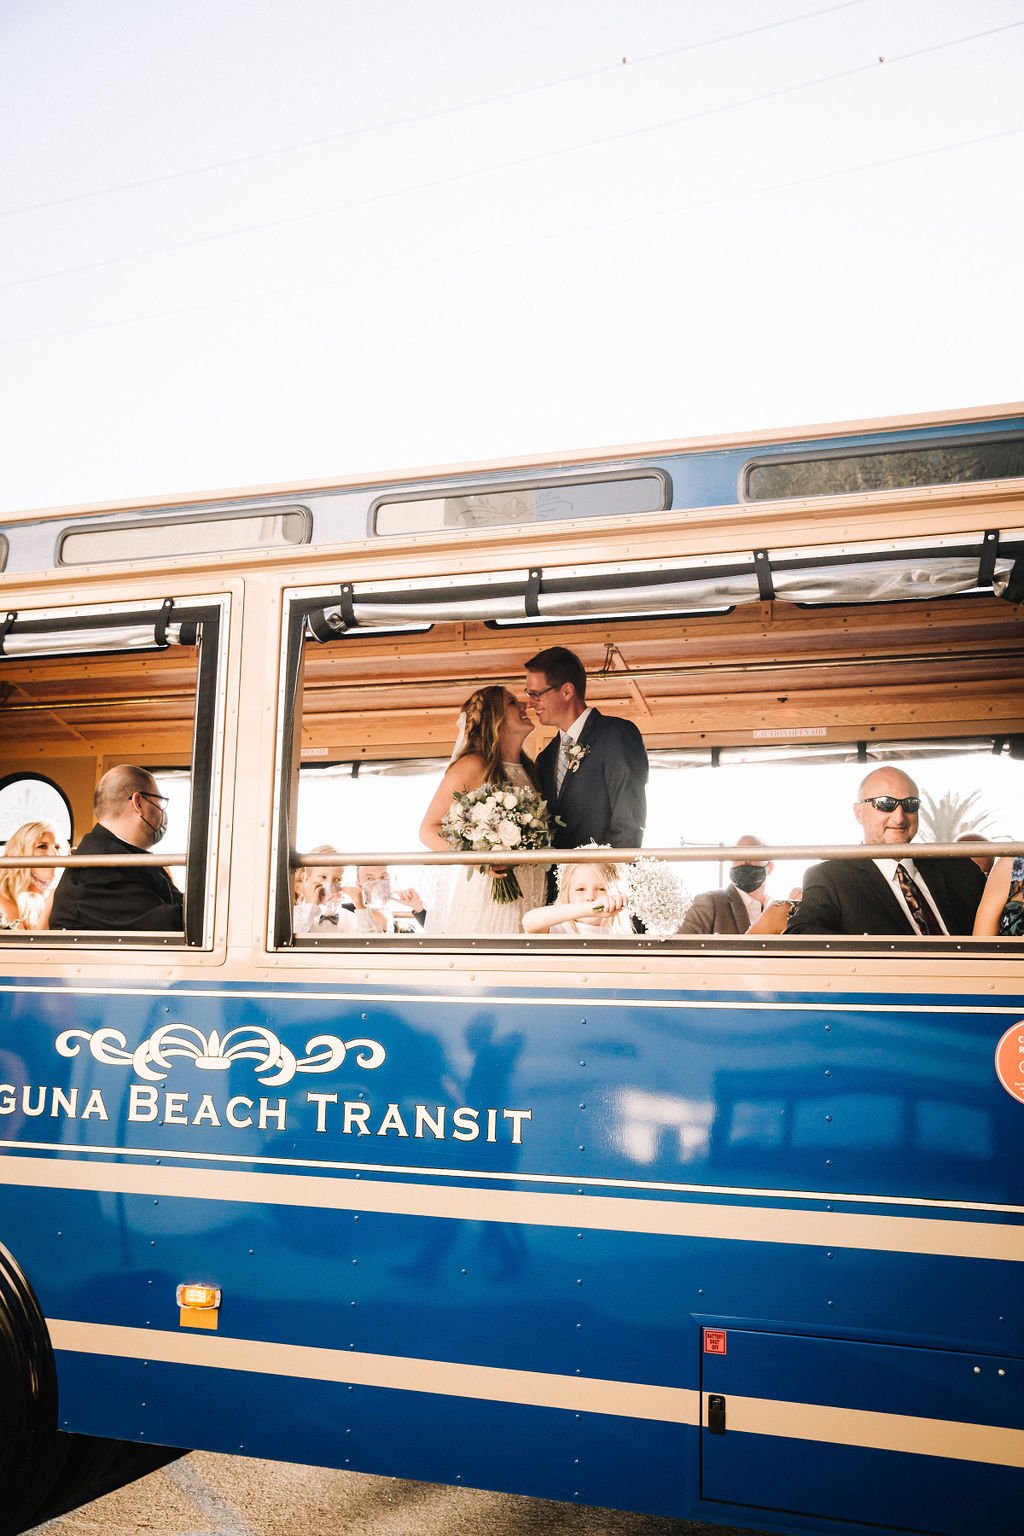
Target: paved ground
(205, 1495)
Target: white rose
(480, 813)
(509, 833)
(509, 801)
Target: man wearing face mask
(742, 903)
(131, 817)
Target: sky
(247, 242)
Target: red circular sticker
(1010, 1061)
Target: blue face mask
(748, 877)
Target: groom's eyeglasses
(538, 693)
(888, 803)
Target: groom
(594, 773)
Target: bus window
(772, 702)
(86, 690)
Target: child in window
(591, 903)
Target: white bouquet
(497, 819)
(656, 895)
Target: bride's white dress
(461, 908)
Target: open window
(82, 690)
(815, 661)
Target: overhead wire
(647, 215)
(451, 109)
(534, 158)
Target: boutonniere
(574, 755)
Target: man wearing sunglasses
(131, 817)
(896, 897)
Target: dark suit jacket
(853, 896)
(605, 799)
(716, 912)
(140, 899)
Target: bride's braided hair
(484, 712)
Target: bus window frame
(210, 612)
(295, 636)
(140, 524)
(803, 455)
(536, 483)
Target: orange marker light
(204, 1297)
(198, 1305)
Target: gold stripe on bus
(613, 1213)
(986, 1443)
(348, 1167)
(583, 1000)
(991, 1443)
(445, 1378)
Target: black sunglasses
(888, 803)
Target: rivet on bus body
(1000, 1372)
(977, 1370)
(578, 1282)
(582, 1063)
(828, 1162)
(830, 1303)
(828, 1119)
(582, 1147)
(700, 1290)
(829, 1255)
(583, 1106)
(828, 1071)
(828, 1029)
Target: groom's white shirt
(572, 734)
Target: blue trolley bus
(726, 1228)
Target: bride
(488, 750)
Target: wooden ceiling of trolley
(906, 670)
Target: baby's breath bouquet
(497, 819)
(656, 895)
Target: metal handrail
(689, 855)
(713, 852)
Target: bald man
(131, 817)
(927, 896)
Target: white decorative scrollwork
(275, 1063)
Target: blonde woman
(26, 895)
(493, 726)
(591, 903)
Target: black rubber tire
(32, 1453)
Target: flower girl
(591, 903)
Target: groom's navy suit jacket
(604, 800)
(853, 896)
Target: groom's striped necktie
(563, 761)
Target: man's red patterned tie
(920, 908)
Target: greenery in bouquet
(497, 819)
(656, 895)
